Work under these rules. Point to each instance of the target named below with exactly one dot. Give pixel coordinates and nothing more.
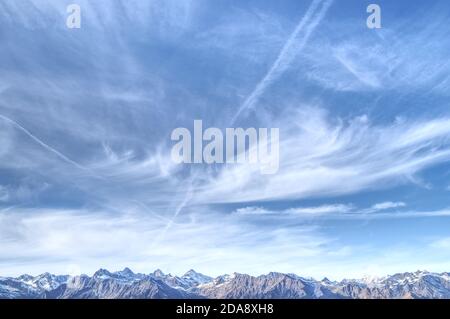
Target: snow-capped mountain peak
(194, 278)
(158, 273)
(102, 274)
(125, 272)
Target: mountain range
(126, 284)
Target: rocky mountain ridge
(126, 284)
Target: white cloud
(54, 240)
(252, 211)
(388, 205)
(297, 211)
(324, 209)
(442, 243)
(48, 240)
(341, 211)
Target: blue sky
(86, 178)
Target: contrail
(41, 143)
(180, 207)
(185, 201)
(293, 45)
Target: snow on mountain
(106, 285)
(125, 275)
(189, 280)
(193, 278)
(126, 284)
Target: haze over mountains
(126, 284)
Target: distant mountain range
(126, 284)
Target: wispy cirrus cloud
(319, 153)
(394, 58)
